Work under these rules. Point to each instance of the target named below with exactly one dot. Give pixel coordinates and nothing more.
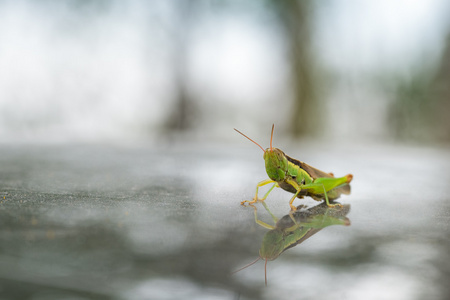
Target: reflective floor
(139, 222)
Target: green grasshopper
(298, 178)
(294, 228)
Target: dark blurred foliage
(420, 108)
(440, 91)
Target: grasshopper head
(276, 164)
(272, 245)
(276, 161)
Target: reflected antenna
(246, 266)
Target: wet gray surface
(139, 222)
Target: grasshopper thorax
(276, 164)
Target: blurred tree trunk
(182, 115)
(441, 92)
(295, 17)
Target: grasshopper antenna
(271, 137)
(252, 140)
(265, 272)
(246, 266)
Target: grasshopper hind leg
(327, 201)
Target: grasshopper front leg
(262, 183)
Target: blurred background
(96, 71)
(97, 203)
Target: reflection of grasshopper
(299, 178)
(296, 227)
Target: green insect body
(277, 240)
(299, 178)
(295, 228)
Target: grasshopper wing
(316, 173)
(313, 172)
(309, 234)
